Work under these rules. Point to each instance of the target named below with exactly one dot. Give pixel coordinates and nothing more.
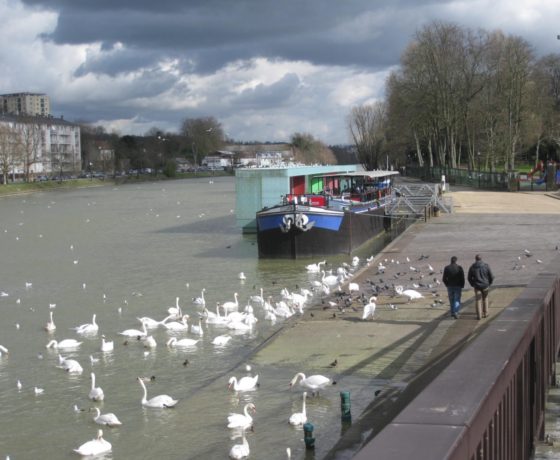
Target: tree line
(463, 98)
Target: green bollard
(308, 436)
(345, 414)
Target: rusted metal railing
(489, 402)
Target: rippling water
(124, 252)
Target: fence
(455, 176)
(489, 402)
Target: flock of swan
(187, 333)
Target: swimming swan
(313, 382)
(95, 446)
(178, 325)
(221, 340)
(197, 328)
(182, 343)
(243, 420)
(88, 328)
(70, 365)
(239, 451)
(160, 401)
(66, 343)
(175, 311)
(299, 418)
(107, 346)
(200, 300)
(135, 332)
(108, 419)
(244, 384)
(228, 307)
(50, 326)
(96, 393)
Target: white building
(25, 104)
(36, 145)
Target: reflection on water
(126, 252)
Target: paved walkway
(516, 233)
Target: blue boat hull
(295, 231)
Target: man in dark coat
(454, 280)
(480, 278)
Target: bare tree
(367, 125)
(309, 150)
(8, 146)
(30, 141)
(203, 136)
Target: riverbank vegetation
(463, 97)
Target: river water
(121, 252)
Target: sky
(265, 69)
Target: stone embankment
(409, 341)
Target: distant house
(222, 159)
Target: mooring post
(308, 436)
(345, 413)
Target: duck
(108, 419)
(244, 420)
(96, 393)
(313, 382)
(299, 418)
(160, 401)
(88, 328)
(239, 451)
(96, 446)
(181, 343)
(244, 384)
(50, 326)
(66, 343)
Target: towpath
(408, 342)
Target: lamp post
(478, 157)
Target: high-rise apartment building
(25, 104)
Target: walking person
(454, 280)
(480, 278)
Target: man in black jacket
(480, 278)
(454, 280)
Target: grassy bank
(24, 187)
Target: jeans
(454, 294)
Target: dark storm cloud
(211, 33)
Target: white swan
(50, 326)
(369, 308)
(244, 384)
(258, 298)
(154, 323)
(239, 451)
(88, 328)
(315, 268)
(160, 401)
(299, 418)
(70, 365)
(243, 420)
(149, 342)
(221, 340)
(95, 446)
(3, 349)
(66, 343)
(197, 328)
(241, 276)
(107, 345)
(135, 332)
(410, 293)
(313, 382)
(178, 325)
(215, 318)
(108, 419)
(228, 307)
(182, 343)
(329, 280)
(200, 300)
(96, 393)
(175, 311)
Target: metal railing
(489, 402)
(470, 178)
